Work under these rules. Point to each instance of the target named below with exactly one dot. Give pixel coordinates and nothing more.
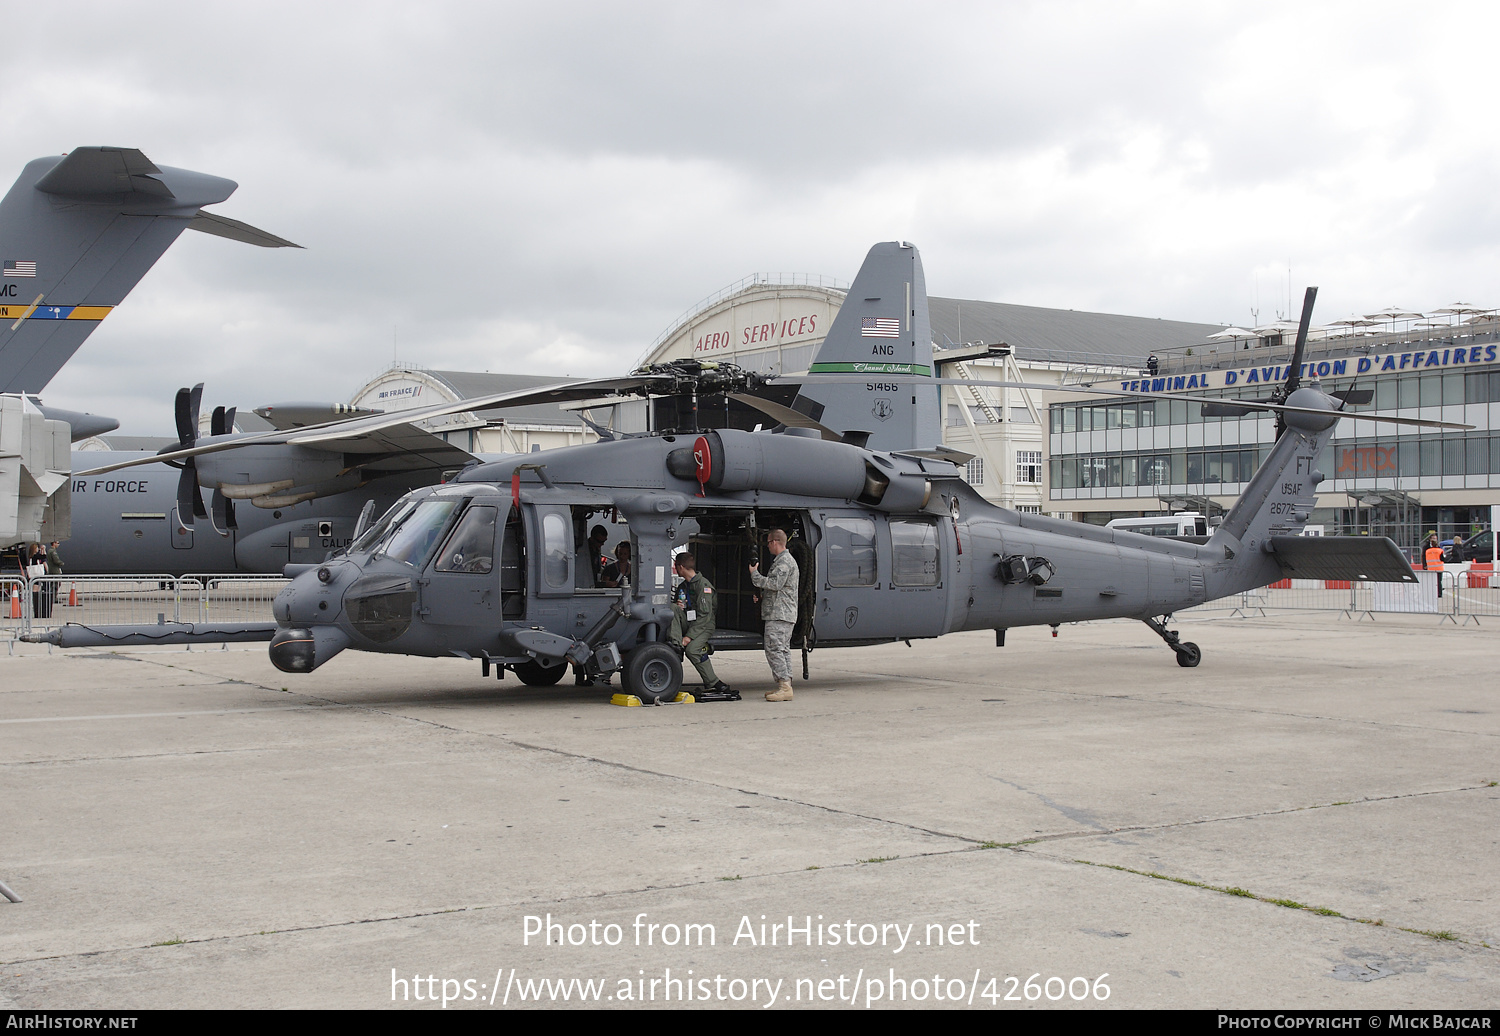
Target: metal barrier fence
(36, 605)
(1466, 595)
(232, 598)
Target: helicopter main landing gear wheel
(1188, 654)
(534, 674)
(653, 673)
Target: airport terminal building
(1123, 455)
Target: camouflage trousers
(778, 639)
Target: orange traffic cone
(73, 595)
(15, 603)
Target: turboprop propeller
(186, 410)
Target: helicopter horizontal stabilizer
(1374, 559)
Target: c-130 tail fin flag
(882, 330)
(76, 234)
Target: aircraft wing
(1374, 559)
(400, 448)
(368, 434)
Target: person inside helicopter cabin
(617, 572)
(590, 559)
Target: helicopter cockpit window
(412, 540)
(914, 553)
(399, 510)
(851, 551)
(557, 545)
(471, 548)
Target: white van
(1183, 523)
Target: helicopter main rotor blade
(1090, 390)
(1294, 373)
(352, 428)
(785, 415)
(562, 392)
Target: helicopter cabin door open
(723, 546)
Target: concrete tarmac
(1308, 819)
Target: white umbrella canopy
(1461, 309)
(1392, 315)
(1231, 332)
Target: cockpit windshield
(399, 510)
(412, 539)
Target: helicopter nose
(303, 650)
(314, 596)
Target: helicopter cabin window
(471, 548)
(914, 553)
(556, 544)
(414, 538)
(851, 551)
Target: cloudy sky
(542, 188)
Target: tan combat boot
(783, 691)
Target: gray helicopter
(892, 544)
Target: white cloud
(542, 188)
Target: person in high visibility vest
(1432, 559)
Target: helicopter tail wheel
(534, 674)
(653, 672)
(1188, 654)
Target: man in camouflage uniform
(778, 609)
(693, 621)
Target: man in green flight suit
(693, 623)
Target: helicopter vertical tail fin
(1277, 503)
(882, 329)
(76, 234)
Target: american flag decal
(20, 267)
(880, 327)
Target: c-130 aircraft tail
(77, 231)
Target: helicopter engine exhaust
(730, 460)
